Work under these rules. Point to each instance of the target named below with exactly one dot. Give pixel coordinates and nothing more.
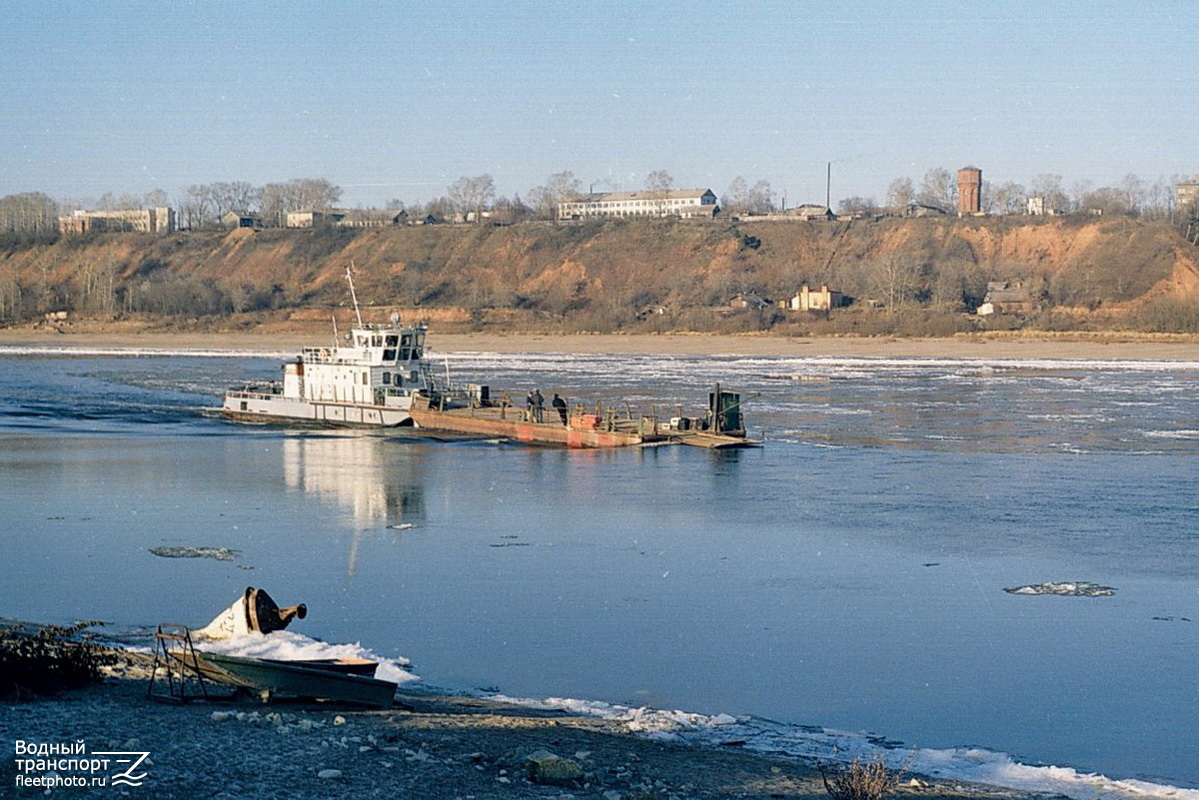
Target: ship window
(416, 352)
(386, 378)
(376, 341)
(366, 378)
(392, 340)
(389, 355)
(405, 354)
(407, 340)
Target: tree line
(473, 198)
(1132, 197)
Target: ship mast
(353, 295)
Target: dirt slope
(610, 271)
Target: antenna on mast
(353, 295)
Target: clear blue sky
(393, 99)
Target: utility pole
(828, 187)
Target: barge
(721, 427)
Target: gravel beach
(426, 746)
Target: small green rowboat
(295, 679)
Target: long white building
(685, 203)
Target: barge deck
(582, 428)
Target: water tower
(970, 190)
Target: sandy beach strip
(1075, 346)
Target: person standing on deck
(529, 406)
(559, 404)
(538, 406)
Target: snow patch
(291, 646)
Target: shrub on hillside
(1169, 315)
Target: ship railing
(324, 355)
(257, 391)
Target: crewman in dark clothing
(559, 404)
(529, 407)
(538, 406)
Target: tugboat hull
(246, 406)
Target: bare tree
(472, 195)
(741, 198)
(198, 208)
(276, 200)
(1160, 198)
(939, 189)
(1107, 200)
(298, 194)
(1049, 187)
(440, 209)
(894, 280)
(760, 198)
(155, 198)
(11, 293)
(858, 206)
(900, 195)
(29, 213)
(507, 210)
(235, 196)
(559, 188)
(735, 197)
(316, 194)
(659, 183)
(1134, 192)
(110, 201)
(1005, 198)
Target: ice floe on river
(1065, 588)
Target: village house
(242, 219)
(1186, 194)
(314, 219)
(1006, 297)
(749, 300)
(372, 218)
(811, 211)
(822, 299)
(140, 220)
(683, 203)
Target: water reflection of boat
(379, 487)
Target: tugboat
(379, 378)
(369, 380)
